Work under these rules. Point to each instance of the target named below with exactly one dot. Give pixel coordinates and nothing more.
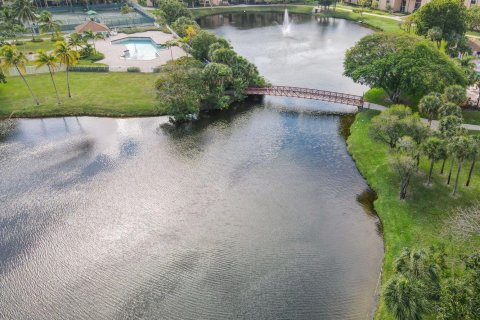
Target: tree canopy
(450, 16)
(401, 64)
(173, 9)
(474, 18)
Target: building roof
(91, 26)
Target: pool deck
(113, 52)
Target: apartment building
(408, 6)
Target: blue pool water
(139, 48)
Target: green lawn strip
(473, 33)
(95, 94)
(471, 116)
(419, 221)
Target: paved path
(373, 106)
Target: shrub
(181, 24)
(376, 95)
(97, 56)
(89, 69)
(137, 30)
(88, 53)
(133, 69)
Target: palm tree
(76, 40)
(48, 24)
(434, 149)
(429, 106)
(474, 153)
(25, 12)
(169, 44)
(98, 36)
(89, 35)
(49, 60)
(404, 299)
(461, 148)
(11, 57)
(67, 57)
(9, 24)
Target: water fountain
(286, 28)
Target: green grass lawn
(352, 6)
(419, 221)
(472, 117)
(95, 94)
(28, 46)
(380, 23)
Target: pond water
(254, 213)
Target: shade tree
(401, 64)
(404, 165)
(450, 16)
(171, 10)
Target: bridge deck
(305, 93)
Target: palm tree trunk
(31, 28)
(456, 179)
(68, 84)
(54, 85)
(443, 166)
(28, 86)
(471, 171)
(430, 172)
(450, 172)
(478, 99)
(403, 188)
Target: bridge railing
(308, 93)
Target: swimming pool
(139, 48)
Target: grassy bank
(95, 94)
(420, 221)
(379, 23)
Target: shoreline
(369, 20)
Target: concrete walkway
(373, 106)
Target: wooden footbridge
(305, 93)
